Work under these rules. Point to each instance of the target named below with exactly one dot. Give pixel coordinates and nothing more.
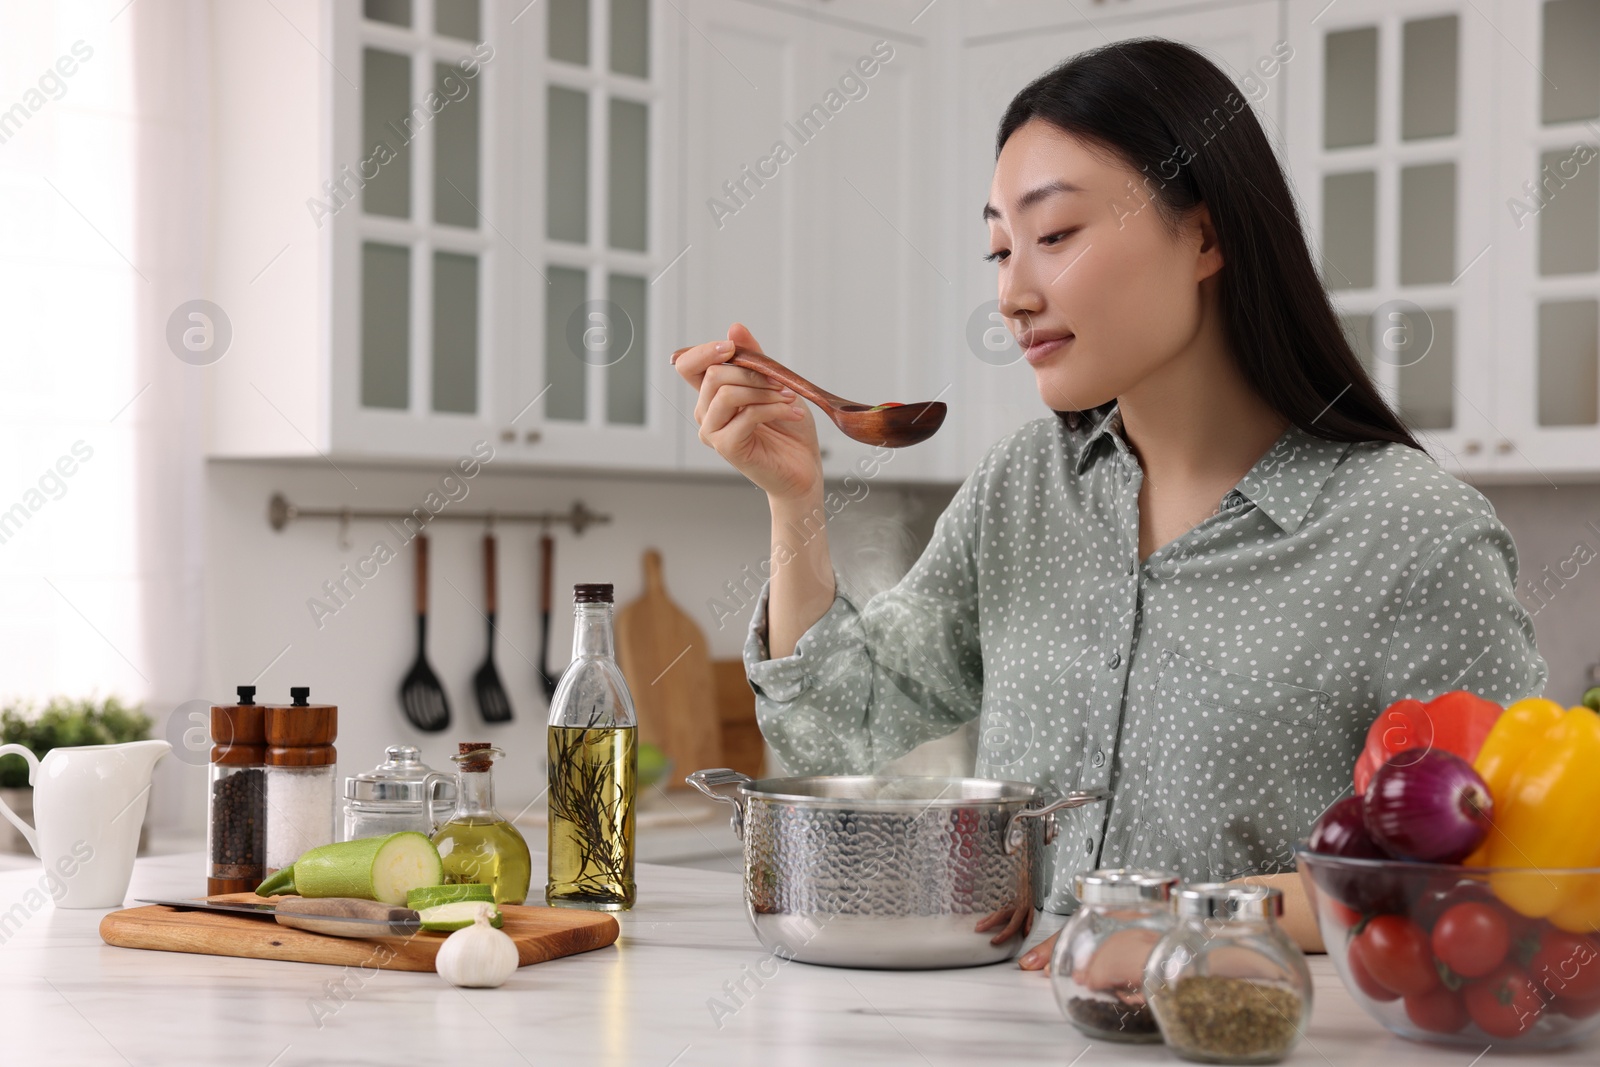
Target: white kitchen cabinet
(1393, 153)
(982, 19)
(809, 209)
(436, 198)
(998, 392)
(1546, 256)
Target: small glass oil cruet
(1098, 967)
(477, 843)
(1226, 983)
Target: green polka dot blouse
(1221, 689)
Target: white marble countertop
(66, 998)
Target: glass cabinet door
(605, 270)
(1390, 155)
(410, 195)
(1549, 215)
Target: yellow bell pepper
(1514, 734)
(1547, 816)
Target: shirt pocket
(1229, 788)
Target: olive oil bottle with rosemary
(594, 767)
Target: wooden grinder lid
(301, 723)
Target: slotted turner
(492, 699)
(421, 695)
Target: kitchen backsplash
(295, 608)
(272, 620)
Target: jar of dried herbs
(1098, 967)
(1227, 985)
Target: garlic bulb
(477, 955)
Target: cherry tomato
(1364, 981)
(1430, 906)
(1438, 1011)
(1472, 939)
(1341, 916)
(1504, 1004)
(1396, 954)
(1576, 1009)
(1567, 965)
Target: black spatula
(492, 699)
(421, 694)
(547, 557)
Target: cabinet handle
(508, 435)
(532, 437)
(1472, 448)
(1503, 447)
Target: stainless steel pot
(890, 872)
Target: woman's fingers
(1037, 958)
(693, 362)
(724, 412)
(744, 423)
(729, 398)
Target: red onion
(1428, 805)
(1342, 832)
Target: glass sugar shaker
(1098, 967)
(1226, 983)
(393, 796)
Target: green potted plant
(62, 723)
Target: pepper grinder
(236, 815)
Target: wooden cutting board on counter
(663, 656)
(540, 934)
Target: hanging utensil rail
(281, 513)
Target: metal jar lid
(1125, 885)
(1229, 901)
(401, 779)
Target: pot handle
(1076, 799)
(721, 784)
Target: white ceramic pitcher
(88, 805)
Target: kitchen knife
(338, 916)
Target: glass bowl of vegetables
(1447, 953)
(1458, 891)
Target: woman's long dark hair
(1177, 119)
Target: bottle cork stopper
(475, 756)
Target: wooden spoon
(892, 427)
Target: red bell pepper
(1456, 722)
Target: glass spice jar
(1098, 967)
(1226, 983)
(393, 796)
(300, 777)
(236, 810)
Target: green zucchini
(371, 868)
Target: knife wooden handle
(321, 915)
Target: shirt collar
(1284, 482)
(1109, 427)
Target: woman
(1197, 583)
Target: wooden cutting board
(663, 656)
(540, 934)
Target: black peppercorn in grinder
(236, 813)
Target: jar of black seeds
(1097, 970)
(236, 815)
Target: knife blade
(337, 916)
